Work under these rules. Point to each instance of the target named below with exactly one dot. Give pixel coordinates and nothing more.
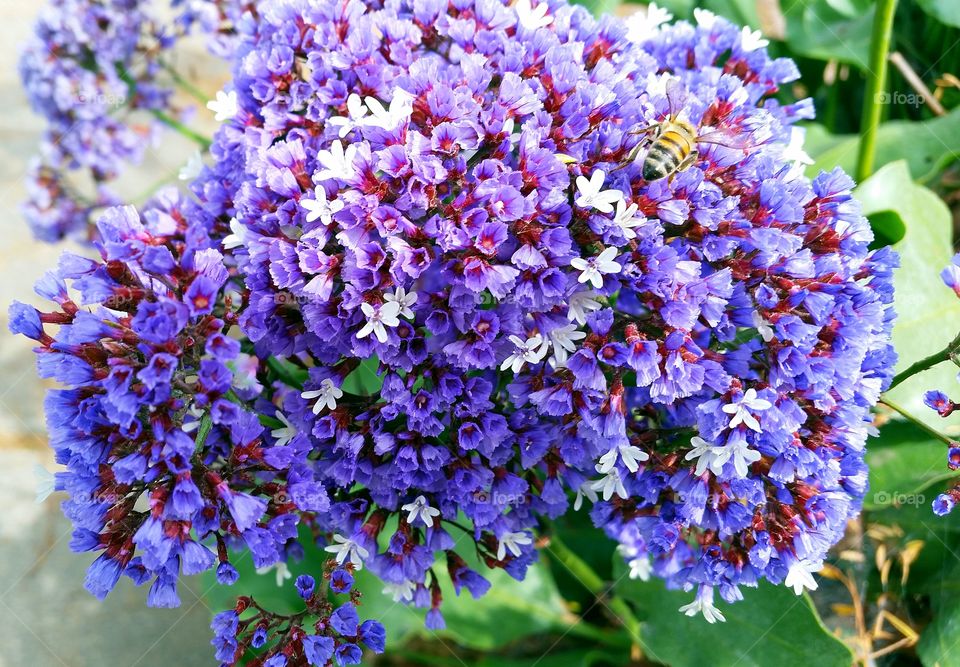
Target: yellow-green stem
(873, 98)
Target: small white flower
(741, 410)
(640, 568)
(640, 565)
(704, 18)
(402, 592)
(192, 168)
(580, 305)
(239, 236)
(531, 351)
(532, 17)
(794, 150)
(347, 551)
(197, 414)
(282, 572)
(715, 457)
(741, 455)
(420, 508)
(703, 604)
(401, 106)
(627, 220)
(326, 396)
(354, 118)
(225, 106)
(763, 327)
(593, 269)
(800, 575)
(287, 432)
(404, 299)
(378, 318)
(585, 490)
(46, 482)
(337, 162)
(707, 455)
(319, 208)
(564, 340)
(592, 194)
(751, 40)
(609, 484)
(631, 455)
(642, 25)
(513, 542)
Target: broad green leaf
(906, 464)
(945, 11)
(598, 7)
(927, 146)
(770, 626)
(509, 611)
(940, 642)
(364, 381)
(888, 227)
(928, 312)
(816, 29)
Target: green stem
(185, 84)
(876, 80)
(172, 122)
(949, 352)
(916, 422)
(593, 583)
(206, 423)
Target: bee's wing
(676, 96)
(724, 138)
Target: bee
(673, 145)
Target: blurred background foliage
(889, 597)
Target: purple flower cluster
(162, 459)
(93, 70)
(439, 195)
(464, 310)
(337, 633)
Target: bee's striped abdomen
(666, 154)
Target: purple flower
(305, 585)
(345, 620)
(937, 400)
(943, 504)
(341, 582)
(318, 650)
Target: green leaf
(928, 312)
(829, 30)
(598, 7)
(364, 381)
(927, 146)
(945, 11)
(904, 463)
(509, 611)
(888, 227)
(770, 626)
(575, 658)
(940, 642)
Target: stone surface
(47, 619)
